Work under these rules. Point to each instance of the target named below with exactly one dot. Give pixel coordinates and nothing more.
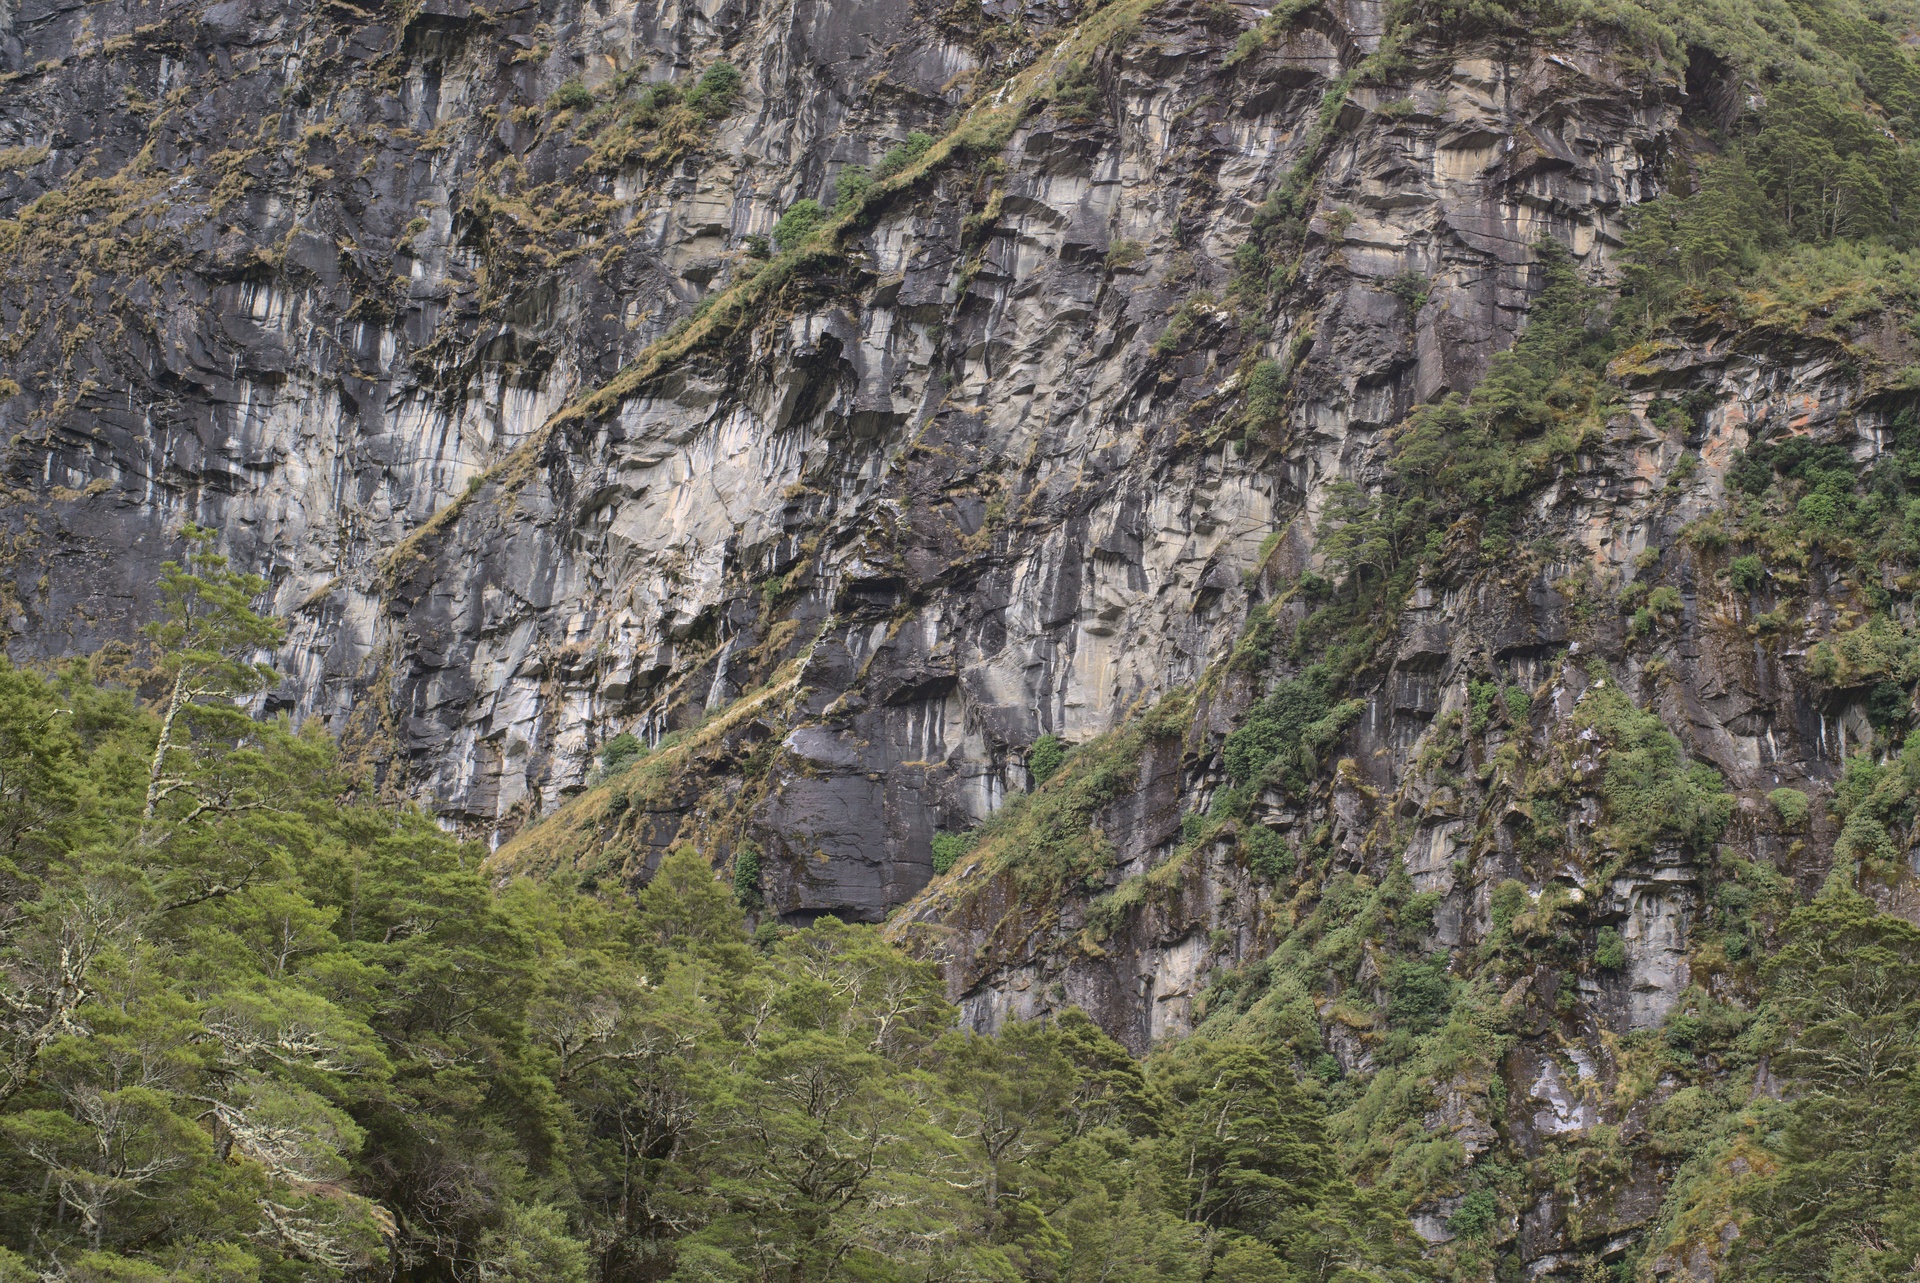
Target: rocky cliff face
(316, 277)
(464, 334)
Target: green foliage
(1790, 805)
(1706, 238)
(1276, 23)
(1266, 394)
(801, 220)
(714, 94)
(1821, 156)
(1541, 400)
(532, 1245)
(1366, 537)
(663, 122)
(1844, 990)
(1185, 319)
(1429, 1032)
(1747, 574)
(1506, 903)
(949, 847)
(1815, 1171)
(1829, 170)
(1480, 697)
(1045, 758)
(1279, 741)
(1243, 1140)
(1419, 994)
(1798, 494)
(850, 190)
(1477, 1213)
(621, 752)
(572, 94)
(1075, 92)
(185, 937)
(1476, 459)
(1650, 791)
(359, 1051)
(1410, 288)
(1877, 650)
(1049, 838)
(746, 877)
(207, 643)
(1873, 801)
(1609, 950)
(904, 154)
(1268, 853)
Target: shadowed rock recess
(1122, 388)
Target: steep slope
(323, 299)
(1442, 473)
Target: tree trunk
(174, 704)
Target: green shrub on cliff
(900, 156)
(1650, 791)
(620, 752)
(714, 94)
(1279, 741)
(801, 220)
(1609, 950)
(947, 848)
(746, 877)
(1791, 806)
(1269, 855)
(1045, 758)
(572, 94)
(1541, 400)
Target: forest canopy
(260, 1025)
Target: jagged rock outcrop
(371, 277)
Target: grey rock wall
(326, 278)
(290, 355)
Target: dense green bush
(801, 220)
(1266, 394)
(621, 751)
(1791, 805)
(1508, 899)
(1609, 950)
(1419, 994)
(1280, 738)
(746, 877)
(572, 94)
(1650, 790)
(1044, 759)
(899, 157)
(1269, 854)
(1477, 1213)
(949, 847)
(714, 94)
(851, 188)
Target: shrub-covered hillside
(260, 1026)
